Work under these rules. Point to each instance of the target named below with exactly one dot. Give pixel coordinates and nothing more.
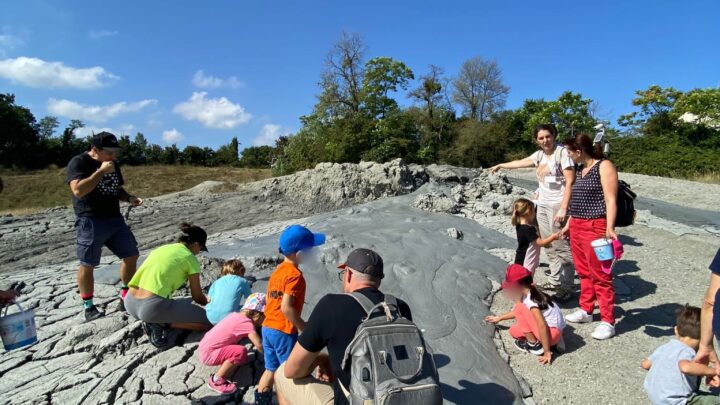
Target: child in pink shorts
(219, 347)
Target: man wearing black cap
(332, 324)
(97, 188)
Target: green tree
(702, 104)
(171, 155)
(228, 154)
(18, 134)
(655, 104)
(382, 76)
(479, 88)
(46, 127)
(258, 157)
(570, 113)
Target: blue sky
(202, 72)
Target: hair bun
(185, 227)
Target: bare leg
(197, 327)
(85, 279)
(266, 381)
(127, 268)
(530, 337)
(226, 370)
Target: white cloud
(35, 72)
(96, 113)
(214, 82)
(100, 34)
(9, 41)
(172, 136)
(212, 112)
(269, 134)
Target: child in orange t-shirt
(285, 298)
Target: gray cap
(364, 261)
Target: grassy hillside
(28, 192)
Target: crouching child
(220, 346)
(673, 377)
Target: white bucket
(18, 329)
(603, 249)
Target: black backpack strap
(367, 305)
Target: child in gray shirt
(673, 377)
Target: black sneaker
(157, 334)
(264, 398)
(562, 294)
(527, 347)
(93, 313)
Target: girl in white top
(555, 172)
(539, 322)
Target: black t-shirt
(526, 234)
(715, 268)
(333, 324)
(103, 201)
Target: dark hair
(583, 142)
(543, 300)
(545, 127)
(191, 234)
(688, 321)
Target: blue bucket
(603, 249)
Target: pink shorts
(235, 354)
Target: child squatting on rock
(227, 292)
(220, 346)
(673, 377)
(539, 322)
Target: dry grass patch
(29, 192)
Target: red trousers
(595, 285)
(525, 323)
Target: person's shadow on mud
(658, 321)
(471, 393)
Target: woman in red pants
(593, 209)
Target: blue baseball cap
(296, 238)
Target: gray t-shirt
(664, 383)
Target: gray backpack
(388, 359)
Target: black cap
(364, 261)
(105, 140)
(193, 233)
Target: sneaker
(93, 313)
(547, 286)
(579, 316)
(562, 294)
(157, 334)
(221, 385)
(264, 398)
(603, 331)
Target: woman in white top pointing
(555, 173)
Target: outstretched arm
(547, 241)
(503, 317)
(515, 164)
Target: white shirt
(553, 317)
(549, 173)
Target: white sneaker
(603, 331)
(579, 316)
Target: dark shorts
(91, 234)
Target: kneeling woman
(166, 269)
(539, 322)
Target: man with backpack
(354, 327)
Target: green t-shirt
(166, 269)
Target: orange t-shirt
(286, 279)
